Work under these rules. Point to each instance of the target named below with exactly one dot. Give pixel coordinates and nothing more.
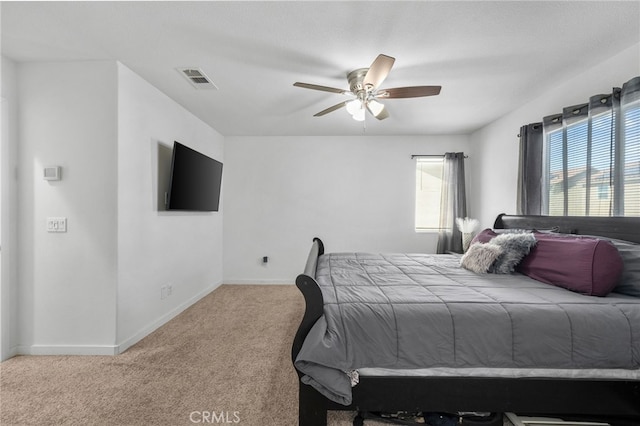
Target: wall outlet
(166, 291)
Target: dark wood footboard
(614, 401)
(312, 406)
(314, 303)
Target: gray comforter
(407, 311)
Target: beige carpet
(228, 355)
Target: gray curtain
(453, 203)
(530, 177)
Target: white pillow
(480, 256)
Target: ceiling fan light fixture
(353, 106)
(375, 107)
(359, 115)
(364, 86)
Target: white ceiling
(488, 56)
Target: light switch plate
(56, 224)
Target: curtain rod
(430, 155)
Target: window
(428, 193)
(631, 150)
(591, 171)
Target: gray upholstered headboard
(623, 228)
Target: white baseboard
(110, 349)
(66, 350)
(150, 328)
(259, 282)
(13, 351)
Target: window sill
(427, 231)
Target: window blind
(592, 156)
(631, 147)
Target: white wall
(495, 147)
(356, 193)
(8, 225)
(96, 288)
(67, 117)
(156, 247)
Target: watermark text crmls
(218, 417)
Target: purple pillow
(585, 265)
(484, 236)
(488, 234)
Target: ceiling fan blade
(378, 71)
(409, 92)
(317, 87)
(330, 109)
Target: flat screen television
(195, 181)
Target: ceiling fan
(363, 88)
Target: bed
(500, 372)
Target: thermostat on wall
(52, 173)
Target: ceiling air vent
(197, 78)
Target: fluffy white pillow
(480, 256)
(515, 246)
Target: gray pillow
(630, 280)
(514, 248)
(479, 257)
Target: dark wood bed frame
(614, 401)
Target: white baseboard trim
(109, 349)
(150, 328)
(259, 282)
(67, 350)
(13, 351)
